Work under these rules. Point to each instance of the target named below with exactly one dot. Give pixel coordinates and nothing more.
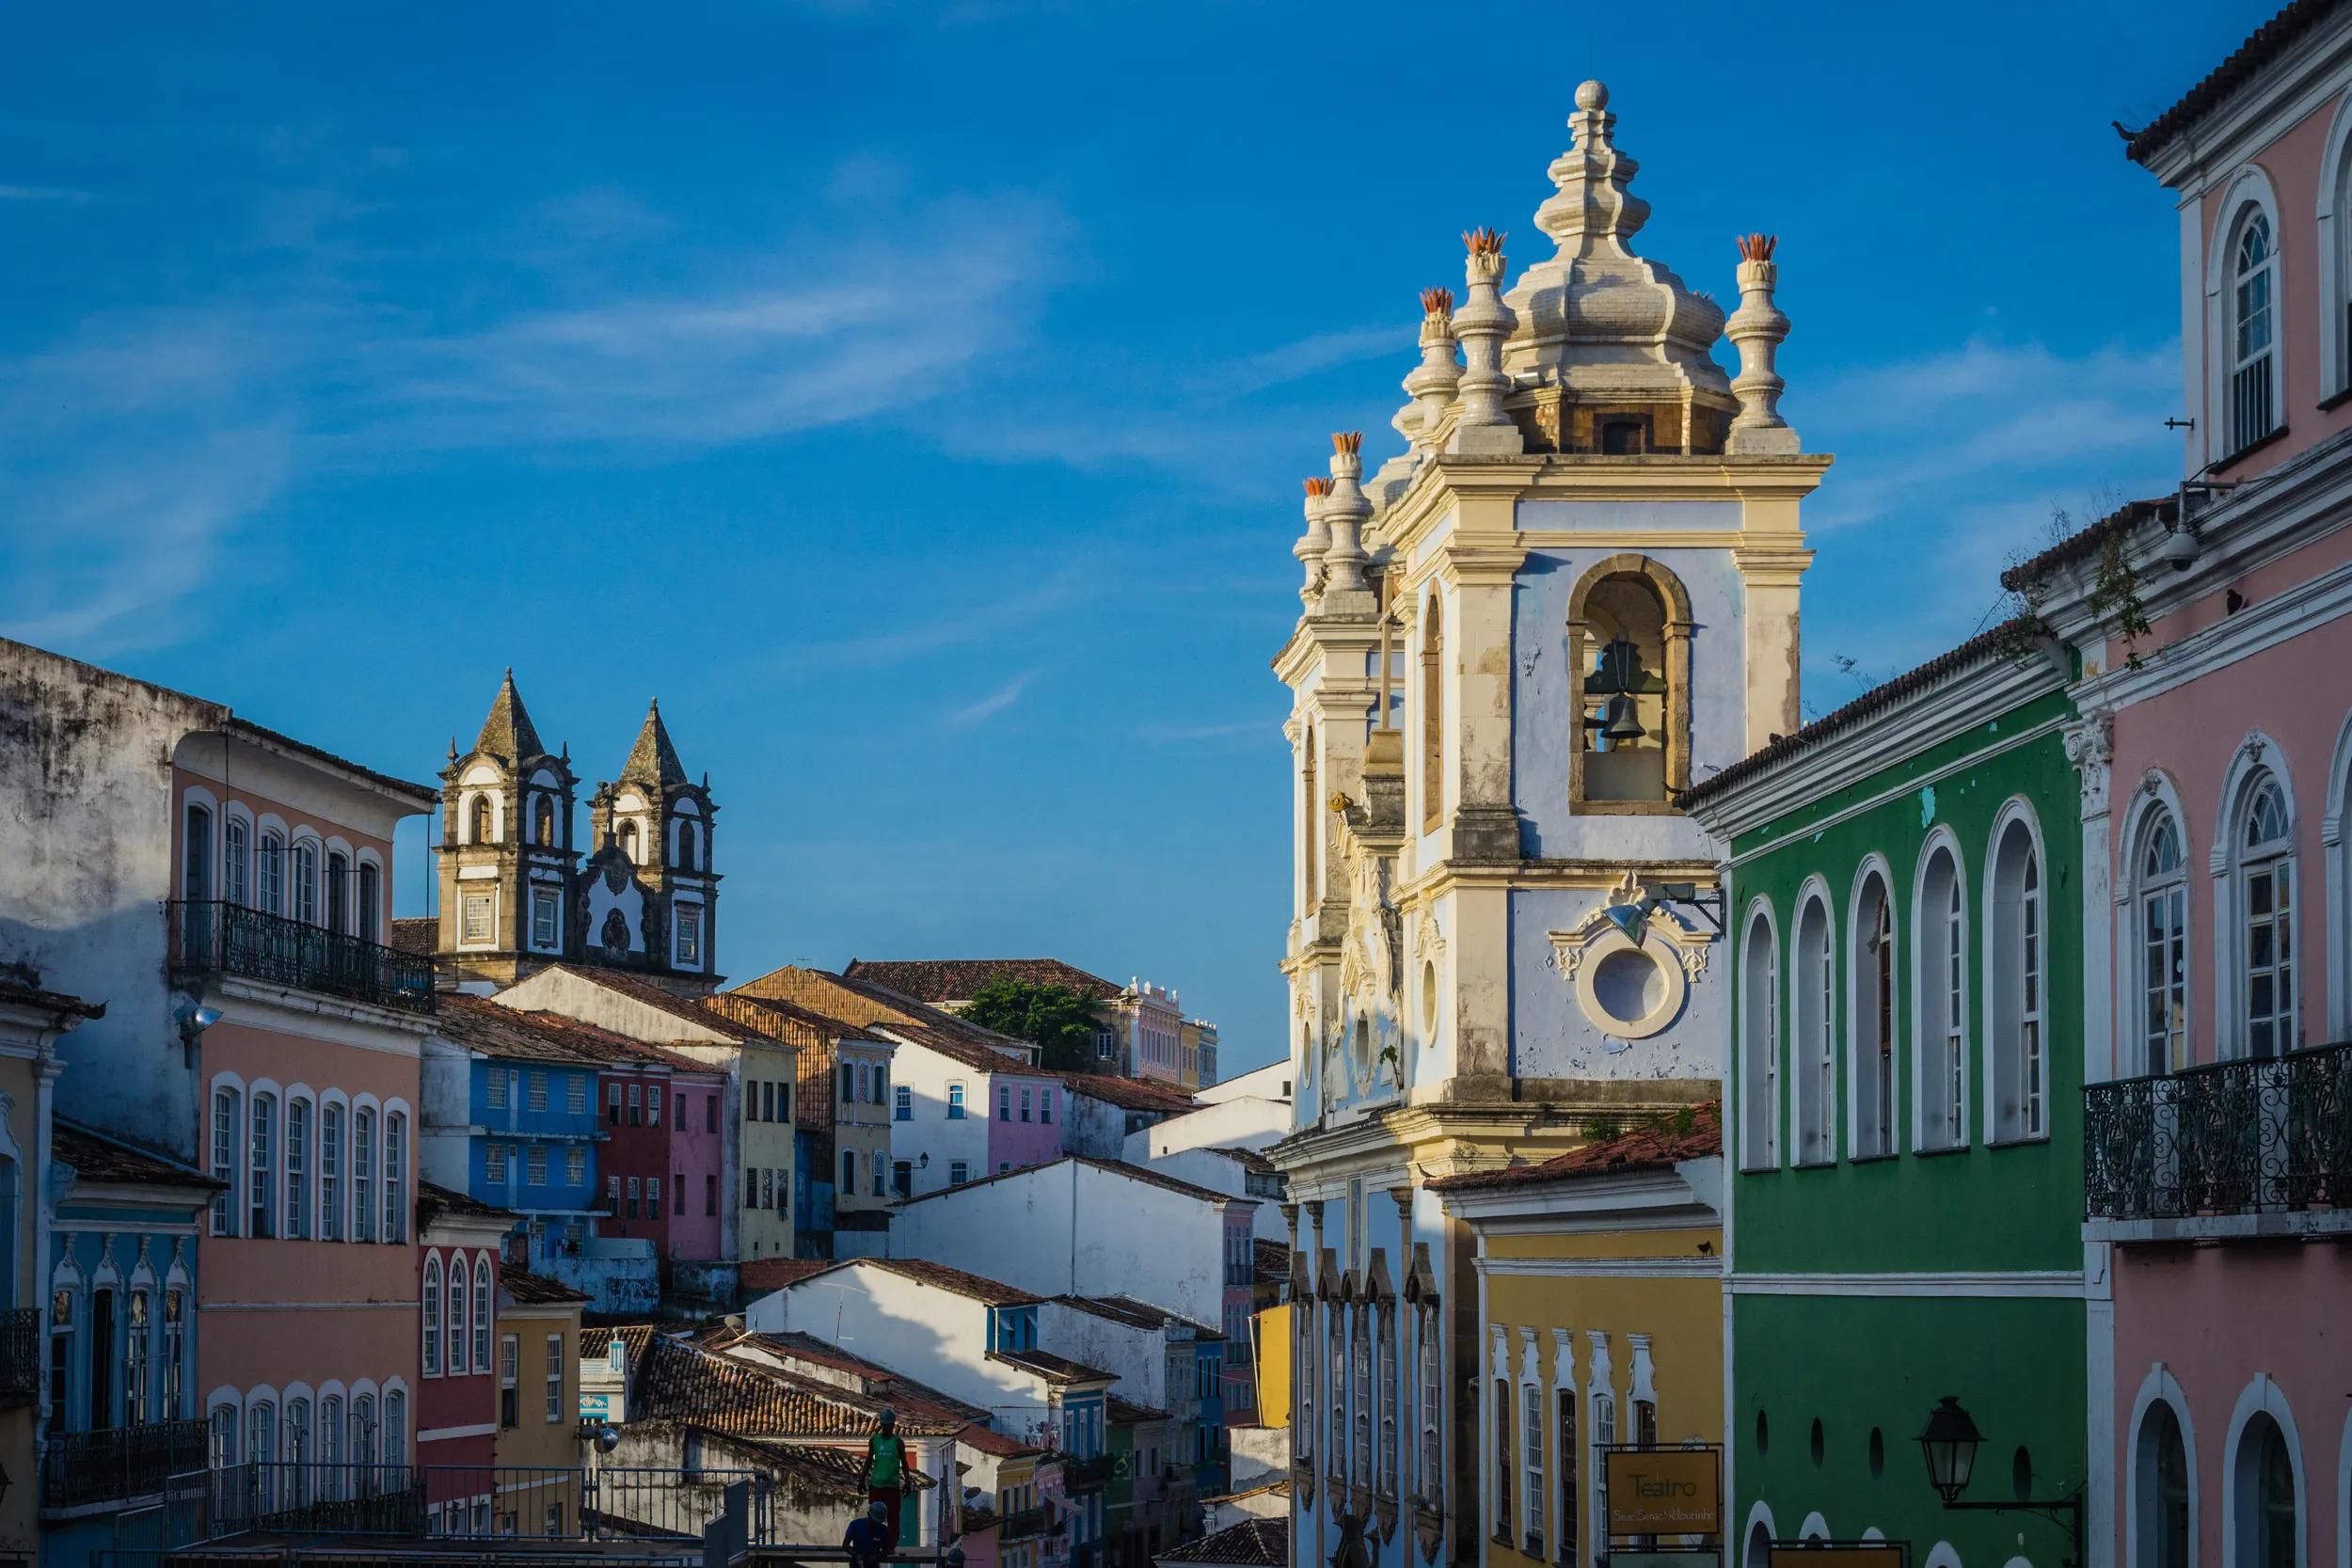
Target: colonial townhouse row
(1922, 1135)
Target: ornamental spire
(1316, 540)
(1482, 324)
(1433, 381)
(1758, 329)
(1347, 511)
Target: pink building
(457, 1389)
(2217, 750)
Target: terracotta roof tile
(869, 1005)
(942, 980)
(1131, 1094)
(1123, 1413)
(434, 1200)
(1053, 1368)
(1135, 1313)
(2263, 45)
(420, 936)
(680, 1381)
(107, 1160)
(774, 1274)
(2086, 541)
(21, 986)
(1252, 1543)
(689, 1009)
(535, 1290)
(1273, 1259)
(1654, 1147)
(595, 1344)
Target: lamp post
(1950, 1442)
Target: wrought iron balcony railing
(20, 1355)
(216, 938)
(2267, 1136)
(1078, 1474)
(119, 1462)
(1021, 1525)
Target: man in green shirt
(886, 1471)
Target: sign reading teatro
(1664, 1491)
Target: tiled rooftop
(1114, 1167)
(535, 1290)
(1655, 1147)
(1053, 1368)
(1251, 1543)
(104, 1159)
(943, 980)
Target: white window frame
(2235, 864)
(1812, 976)
(2016, 984)
(431, 1303)
(2248, 194)
(1759, 1041)
(1872, 1089)
(2151, 895)
(1941, 972)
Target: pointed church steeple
(653, 760)
(508, 732)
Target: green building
(1903, 1109)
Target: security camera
(2179, 550)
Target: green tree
(1057, 1020)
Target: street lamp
(1950, 1442)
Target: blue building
(121, 1401)
(511, 1119)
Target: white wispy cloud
(1308, 356)
(996, 701)
(903, 637)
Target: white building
(1244, 1121)
(1091, 1227)
(1236, 1172)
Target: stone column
(1345, 592)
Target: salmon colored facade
(2217, 762)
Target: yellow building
(1600, 1322)
(538, 1447)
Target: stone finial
(1316, 540)
(1431, 383)
(1482, 323)
(1347, 510)
(1757, 329)
(1593, 210)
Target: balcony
(1082, 1475)
(1023, 1525)
(2241, 1148)
(20, 1356)
(119, 1462)
(229, 938)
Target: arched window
(628, 841)
(1385, 1391)
(1629, 663)
(338, 891)
(431, 1300)
(233, 885)
(1303, 1377)
(1503, 1422)
(1814, 1011)
(1360, 1396)
(481, 1313)
(331, 1172)
(479, 831)
(686, 846)
(1432, 1409)
(2016, 971)
(395, 1176)
(543, 820)
(305, 877)
(1335, 1380)
(2269, 1529)
(1531, 1481)
(459, 1298)
(2264, 897)
(1940, 942)
(363, 1175)
(363, 1431)
(273, 872)
(370, 902)
(1871, 1021)
(226, 1117)
(2253, 288)
(261, 1188)
(297, 1205)
(2160, 1489)
(196, 867)
(2160, 900)
(1759, 1047)
(1433, 716)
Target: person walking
(866, 1538)
(886, 1472)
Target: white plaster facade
(1083, 1227)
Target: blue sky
(914, 396)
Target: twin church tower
(517, 893)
